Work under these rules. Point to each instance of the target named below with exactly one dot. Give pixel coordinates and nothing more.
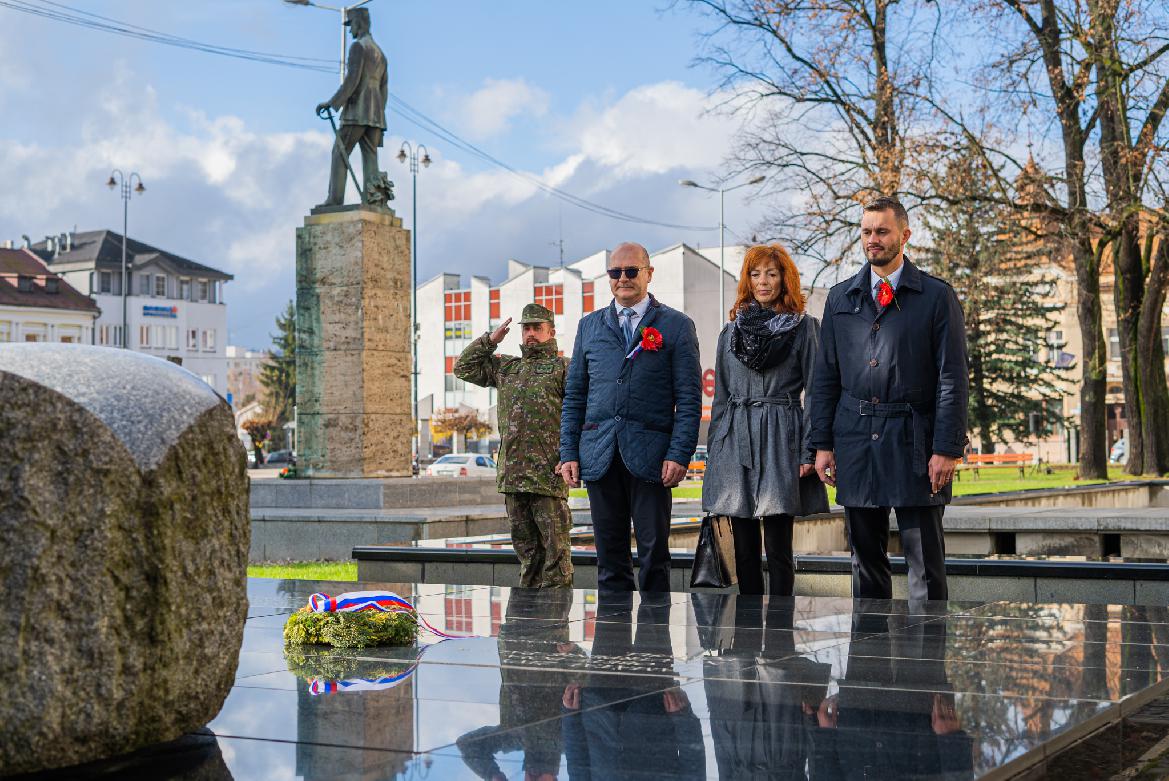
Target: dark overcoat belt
(890, 388)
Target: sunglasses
(631, 272)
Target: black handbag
(714, 558)
(714, 616)
(813, 495)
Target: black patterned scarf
(760, 338)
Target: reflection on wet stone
(584, 686)
(529, 695)
(760, 693)
(642, 722)
(894, 715)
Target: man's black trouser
(922, 542)
(615, 500)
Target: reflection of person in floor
(894, 716)
(533, 642)
(630, 717)
(759, 690)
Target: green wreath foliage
(337, 665)
(360, 629)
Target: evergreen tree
(1001, 268)
(278, 374)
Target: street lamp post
(409, 152)
(117, 178)
(722, 191)
(343, 10)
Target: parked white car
(462, 465)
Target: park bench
(975, 460)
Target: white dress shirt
(638, 313)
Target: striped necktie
(627, 326)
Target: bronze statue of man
(361, 99)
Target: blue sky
(597, 98)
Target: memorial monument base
(353, 358)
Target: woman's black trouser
(777, 541)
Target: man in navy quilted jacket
(632, 404)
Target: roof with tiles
(103, 248)
(25, 280)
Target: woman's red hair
(791, 297)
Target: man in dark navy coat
(889, 406)
(630, 421)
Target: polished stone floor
(576, 685)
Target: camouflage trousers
(540, 527)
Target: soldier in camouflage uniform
(531, 389)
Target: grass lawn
(991, 480)
(306, 570)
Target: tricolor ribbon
(383, 601)
(318, 686)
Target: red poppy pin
(651, 339)
(885, 295)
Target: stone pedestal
(353, 344)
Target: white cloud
(489, 110)
(657, 128)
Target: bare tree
(1042, 69)
(1128, 45)
(825, 89)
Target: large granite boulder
(123, 553)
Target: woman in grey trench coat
(758, 447)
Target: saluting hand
(499, 334)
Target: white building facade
(173, 307)
(453, 313)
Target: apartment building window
(160, 285)
(52, 285)
(457, 306)
(203, 290)
(214, 293)
(551, 297)
(5, 330)
(24, 284)
(209, 339)
(110, 335)
(185, 289)
(143, 284)
(69, 334)
(143, 336)
(452, 383)
(1055, 344)
(172, 337)
(587, 297)
(192, 338)
(209, 379)
(34, 332)
(105, 282)
(493, 304)
(1113, 344)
